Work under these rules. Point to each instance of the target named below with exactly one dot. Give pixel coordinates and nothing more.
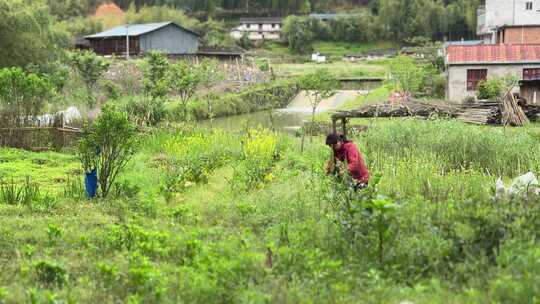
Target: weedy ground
(202, 216)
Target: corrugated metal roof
(463, 42)
(493, 53)
(331, 16)
(134, 30)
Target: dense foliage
(28, 34)
(22, 96)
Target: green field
(221, 217)
(339, 69)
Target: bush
(491, 88)
(107, 146)
(50, 274)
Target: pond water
(283, 120)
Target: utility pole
(127, 41)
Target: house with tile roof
(467, 65)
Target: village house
(509, 21)
(167, 37)
(467, 65)
(258, 28)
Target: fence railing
(55, 136)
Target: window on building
(248, 25)
(273, 25)
(531, 74)
(528, 6)
(474, 77)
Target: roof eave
(493, 62)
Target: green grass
(333, 49)
(288, 237)
(49, 170)
(339, 49)
(339, 69)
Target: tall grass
(453, 146)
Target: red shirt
(355, 162)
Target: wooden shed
(530, 90)
(166, 37)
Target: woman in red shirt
(346, 151)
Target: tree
(185, 79)
(108, 144)
(299, 34)
(406, 75)
(28, 34)
(318, 85)
(90, 67)
(22, 96)
(156, 82)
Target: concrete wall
(170, 40)
(511, 12)
(457, 77)
(507, 12)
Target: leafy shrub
(107, 146)
(50, 274)
(491, 88)
(144, 279)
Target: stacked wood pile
(507, 111)
(413, 108)
(484, 112)
(512, 113)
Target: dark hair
(332, 139)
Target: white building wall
(457, 77)
(507, 12)
(258, 31)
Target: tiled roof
(134, 30)
(265, 20)
(493, 53)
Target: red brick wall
(521, 35)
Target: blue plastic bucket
(90, 183)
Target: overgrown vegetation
(221, 217)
